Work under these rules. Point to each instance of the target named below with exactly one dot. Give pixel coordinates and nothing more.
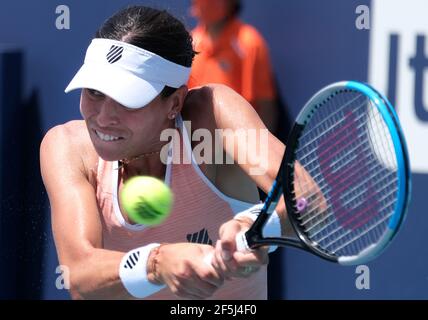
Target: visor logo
(114, 54)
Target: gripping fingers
(241, 242)
(193, 288)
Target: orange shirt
(239, 58)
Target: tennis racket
(344, 176)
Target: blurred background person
(235, 54)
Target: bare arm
(75, 218)
(265, 154)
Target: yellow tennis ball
(147, 200)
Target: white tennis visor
(128, 74)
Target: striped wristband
(133, 272)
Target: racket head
(349, 140)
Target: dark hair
(153, 30)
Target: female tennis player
(133, 83)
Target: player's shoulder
(203, 100)
(66, 142)
(206, 93)
(66, 135)
(199, 95)
(207, 105)
(198, 106)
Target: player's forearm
(97, 276)
(286, 227)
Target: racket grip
(241, 242)
(241, 246)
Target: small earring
(172, 116)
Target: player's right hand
(182, 268)
(232, 263)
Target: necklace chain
(124, 162)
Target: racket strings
(358, 222)
(374, 227)
(392, 193)
(341, 187)
(379, 131)
(348, 152)
(336, 238)
(339, 162)
(347, 156)
(333, 233)
(366, 196)
(326, 216)
(314, 159)
(331, 117)
(352, 240)
(309, 144)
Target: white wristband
(272, 227)
(133, 272)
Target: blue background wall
(312, 44)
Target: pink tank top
(199, 210)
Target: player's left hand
(232, 263)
